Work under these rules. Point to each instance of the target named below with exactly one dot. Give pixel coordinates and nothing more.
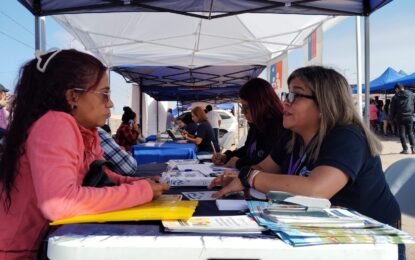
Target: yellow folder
(155, 210)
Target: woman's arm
(324, 181)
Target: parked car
(228, 121)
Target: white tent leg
(367, 70)
(359, 66)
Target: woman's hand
(218, 158)
(223, 180)
(234, 186)
(232, 162)
(158, 188)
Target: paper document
(189, 178)
(170, 197)
(199, 195)
(220, 224)
(202, 168)
(239, 205)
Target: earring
(73, 107)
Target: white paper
(199, 195)
(203, 168)
(257, 194)
(232, 205)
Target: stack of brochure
(328, 226)
(218, 224)
(190, 173)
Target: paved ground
(390, 154)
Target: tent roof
(219, 83)
(387, 76)
(381, 83)
(165, 39)
(206, 8)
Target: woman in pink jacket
(60, 99)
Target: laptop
(172, 136)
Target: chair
(242, 141)
(401, 179)
(227, 140)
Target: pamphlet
(216, 224)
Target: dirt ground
(390, 154)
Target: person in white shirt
(214, 120)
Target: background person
(124, 164)
(204, 136)
(169, 119)
(127, 133)
(214, 120)
(61, 98)
(263, 111)
(319, 110)
(4, 113)
(402, 109)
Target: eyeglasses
(106, 95)
(290, 97)
(244, 108)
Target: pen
(213, 147)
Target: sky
(392, 43)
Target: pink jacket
(4, 116)
(48, 184)
(373, 112)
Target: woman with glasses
(61, 98)
(332, 153)
(128, 132)
(263, 111)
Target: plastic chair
(401, 179)
(242, 141)
(227, 140)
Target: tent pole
(157, 102)
(42, 27)
(359, 66)
(37, 33)
(141, 103)
(367, 70)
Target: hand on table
(230, 183)
(218, 158)
(158, 188)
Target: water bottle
(158, 136)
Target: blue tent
(407, 81)
(174, 83)
(212, 9)
(380, 84)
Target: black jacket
(402, 105)
(265, 141)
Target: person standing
(4, 114)
(214, 120)
(169, 119)
(402, 109)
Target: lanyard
(251, 149)
(292, 169)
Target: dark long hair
(128, 115)
(262, 100)
(38, 92)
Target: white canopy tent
(158, 39)
(166, 39)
